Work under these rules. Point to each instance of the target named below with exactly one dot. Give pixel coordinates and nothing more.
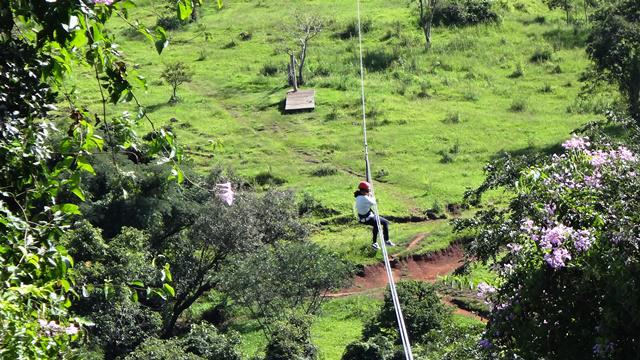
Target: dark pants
(371, 221)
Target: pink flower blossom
(576, 143)
(225, 193)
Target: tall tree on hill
(305, 28)
(566, 5)
(614, 47)
(425, 18)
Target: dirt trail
(416, 267)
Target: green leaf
(65, 285)
(71, 209)
(168, 289)
(220, 4)
(85, 291)
(137, 283)
(78, 192)
(184, 9)
(83, 164)
(167, 272)
(161, 39)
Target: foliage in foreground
(570, 279)
(432, 331)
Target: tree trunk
(292, 73)
(427, 20)
(180, 306)
(303, 57)
(194, 11)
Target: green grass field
(435, 118)
(453, 102)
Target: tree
(219, 232)
(296, 277)
(305, 27)
(569, 278)
(203, 342)
(176, 74)
(291, 340)
(41, 167)
(566, 5)
(614, 47)
(426, 9)
(423, 311)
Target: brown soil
(373, 280)
(416, 267)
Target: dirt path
(416, 267)
(373, 279)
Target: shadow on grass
(567, 38)
(152, 108)
(529, 152)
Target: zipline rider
(366, 216)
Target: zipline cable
(392, 285)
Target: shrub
(452, 118)
(308, 205)
(464, 13)
(202, 55)
(269, 70)
(541, 55)
(471, 95)
(324, 171)
(546, 88)
(266, 178)
(230, 44)
(378, 60)
(567, 241)
(291, 340)
(351, 29)
(518, 72)
(169, 22)
(204, 340)
(423, 311)
(425, 86)
(518, 105)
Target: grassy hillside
(435, 117)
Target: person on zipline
(364, 202)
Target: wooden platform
(300, 100)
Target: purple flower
(554, 237)
(527, 226)
(594, 180)
(583, 240)
(485, 289)
(514, 248)
(225, 192)
(550, 209)
(556, 259)
(485, 344)
(599, 158)
(71, 330)
(576, 143)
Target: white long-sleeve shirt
(364, 203)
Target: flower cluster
(51, 328)
(484, 290)
(555, 239)
(576, 143)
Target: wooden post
(293, 73)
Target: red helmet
(364, 185)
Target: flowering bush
(570, 276)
